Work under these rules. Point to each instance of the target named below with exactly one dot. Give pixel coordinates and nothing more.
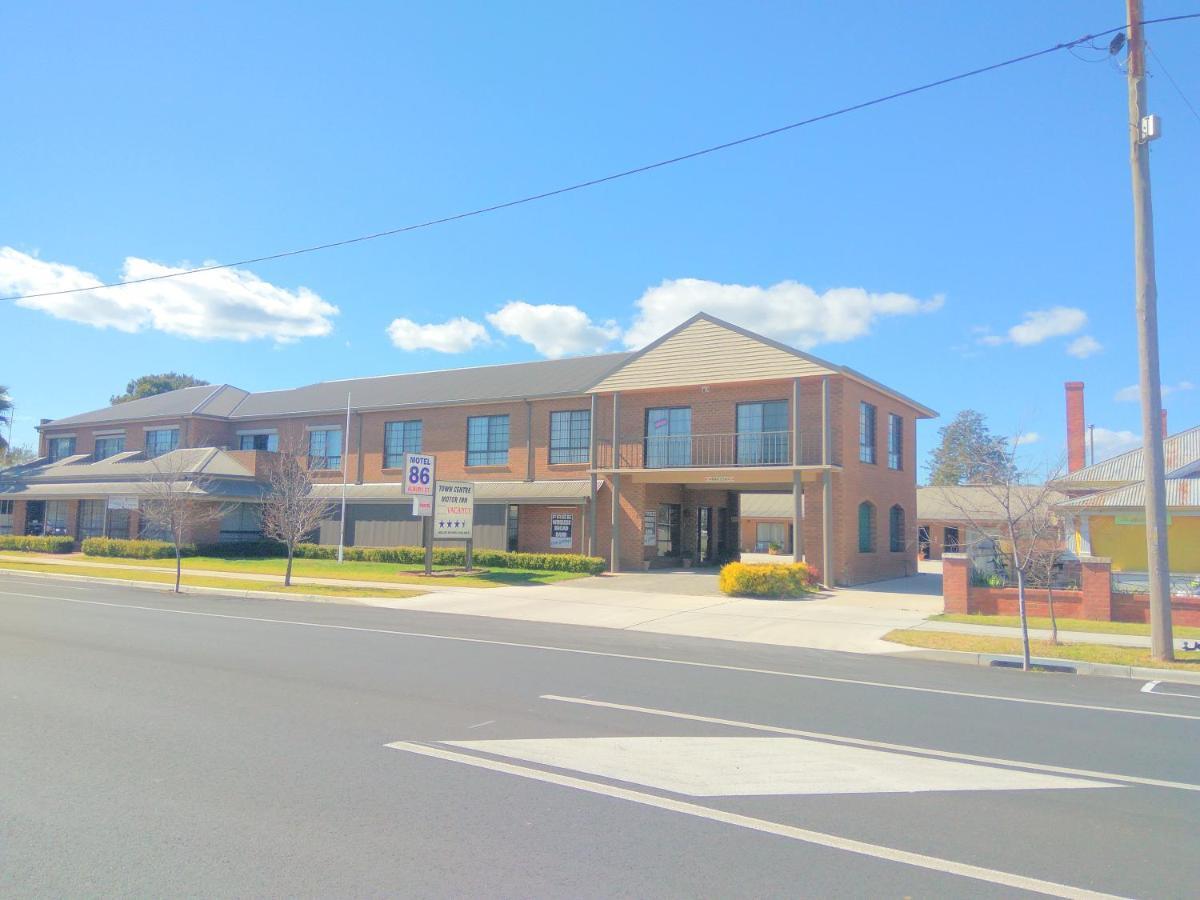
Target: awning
(570, 493)
(99, 490)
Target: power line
(1174, 84)
(649, 167)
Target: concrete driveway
(686, 603)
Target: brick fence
(1094, 599)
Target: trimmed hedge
(35, 544)
(128, 549)
(242, 550)
(770, 580)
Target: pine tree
(969, 453)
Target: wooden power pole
(1141, 131)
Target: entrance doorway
(35, 517)
(923, 541)
(118, 524)
(704, 535)
(667, 530)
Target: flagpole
(345, 476)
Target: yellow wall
(1126, 544)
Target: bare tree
(174, 502)
(1015, 518)
(290, 510)
(1044, 569)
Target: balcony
(708, 451)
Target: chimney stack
(1164, 423)
(1076, 452)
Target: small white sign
(562, 526)
(418, 474)
(453, 510)
(422, 506)
(122, 502)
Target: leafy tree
(5, 415)
(969, 453)
(15, 455)
(149, 385)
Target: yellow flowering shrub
(771, 580)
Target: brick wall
(533, 528)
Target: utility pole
(1141, 131)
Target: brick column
(1095, 579)
(18, 525)
(956, 583)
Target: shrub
(128, 549)
(33, 543)
(263, 549)
(457, 556)
(772, 580)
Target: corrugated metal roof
(1180, 452)
(123, 466)
(953, 503)
(765, 506)
(571, 492)
(170, 404)
(217, 488)
(1182, 494)
(483, 384)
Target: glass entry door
(704, 535)
(667, 530)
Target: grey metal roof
(1182, 494)
(200, 461)
(172, 403)
(216, 488)
(765, 506)
(482, 383)
(544, 492)
(1181, 453)
(981, 503)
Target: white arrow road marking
(1150, 687)
(821, 839)
(883, 745)
(765, 766)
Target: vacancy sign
(418, 474)
(422, 506)
(453, 510)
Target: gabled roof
(1182, 494)
(483, 384)
(199, 461)
(204, 399)
(966, 502)
(1181, 453)
(705, 349)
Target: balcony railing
(708, 451)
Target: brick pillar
(956, 583)
(1076, 451)
(1095, 578)
(18, 525)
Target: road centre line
(804, 835)
(830, 679)
(880, 745)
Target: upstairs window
(60, 448)
(160, 441)
(266, 440)
(570, 436)
(762, 433)
(866, 433)
(325, 448)
(895, 442)
(866, 527)
(400, 438)
(487, 440)
(108, 446)
(896, 536)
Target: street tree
(1016, 522)
(968, 453)
(174, 503)
(149, 385)
(290, 511)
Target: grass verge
(1181, 631)
(190, 580)
(1096, 653)
(393, 573)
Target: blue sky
(905, 240)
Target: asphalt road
(152, 745)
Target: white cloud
(1110, 443)
(553, 330)
(1084, 346)
(230, 304)
(1132, 394)
(454, 336)
(1041, 325)
(788, 311)
(1029, 437)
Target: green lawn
(394, 573)
(1181, 631)
(1097, 653)
(190, 580)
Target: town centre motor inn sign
(453, 510)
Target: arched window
(866, 527)
(896, 528)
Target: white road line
(1149, 688)
(830, 679)
(880, 745)
(821, 839)
(481, 724)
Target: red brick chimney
(1076, 450)
(1164, 423)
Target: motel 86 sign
(418, 474)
